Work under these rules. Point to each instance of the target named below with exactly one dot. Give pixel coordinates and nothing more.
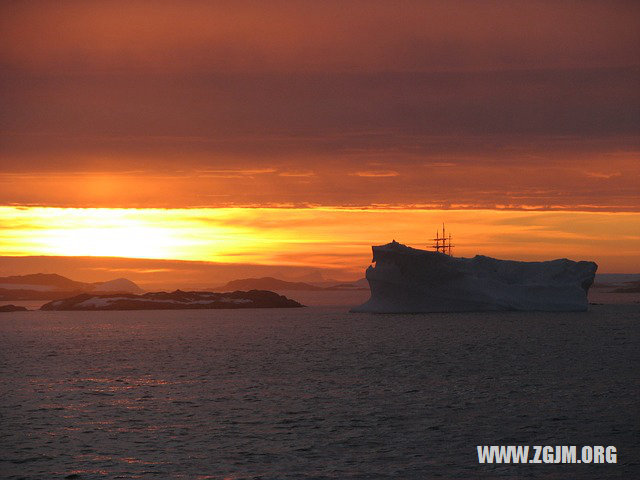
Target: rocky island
(12, 308)
(410, 280)
(177, 300)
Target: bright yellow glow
(319, 237)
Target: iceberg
(410, 280)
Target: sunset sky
(291, 136)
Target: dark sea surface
(314, 393)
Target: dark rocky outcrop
(12, 308)
(177, 300)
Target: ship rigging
(442, 244)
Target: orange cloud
(293, 104)
(603, 175)
(297, 173)
(316, 36)
(376, 173)
(234, 173)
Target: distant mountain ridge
(51, 286)
(271, 283)
(117, 285)
(266, 283)
(629, 287)
(42, 279)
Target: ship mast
(442, 243)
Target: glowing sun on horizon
(133, 241)
(108, 233)
(328, 238)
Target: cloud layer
(477, 104)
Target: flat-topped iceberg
(409, 280)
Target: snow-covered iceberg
(409, 280)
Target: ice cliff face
(406, 279)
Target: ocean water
(314, 393)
